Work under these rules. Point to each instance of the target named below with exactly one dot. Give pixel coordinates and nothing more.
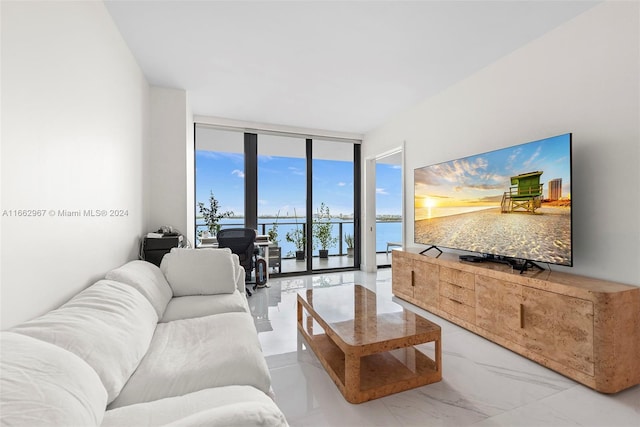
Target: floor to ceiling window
(333, 204)
(304, 193)
(219, 174)
(281, 196)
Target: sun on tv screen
(513, 202)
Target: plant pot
(324, 253)
(349, 252)
(299, 255)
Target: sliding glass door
(333, 204)
(281, 198)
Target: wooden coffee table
(366, 343)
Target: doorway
(384, 208)
(389, 202)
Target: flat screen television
(509, 204)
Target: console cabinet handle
(413, 278)
(521, 316)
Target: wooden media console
(584, 328)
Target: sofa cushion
(220, 406)
(45, 385)
(109, 325)
(204, 305)
(147, 279)
(194, 354)
(200, 271)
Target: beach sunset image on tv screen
(514, 202)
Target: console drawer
(460, 294)
(461, 278)
(458, 309)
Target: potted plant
(322, 229)
(298, 238)
(211, 215)
(348, 238)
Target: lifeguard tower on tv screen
(525, 193)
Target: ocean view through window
(278, 184)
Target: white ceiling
(334, 65)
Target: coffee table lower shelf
(378, 374)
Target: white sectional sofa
(146, 346)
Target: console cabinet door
(559, 327)
(426, 280)
(498, 307)
(402, 272)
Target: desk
(154, 248)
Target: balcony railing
(386, 233)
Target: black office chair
(241, 241)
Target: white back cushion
(200, 271)
(108, 325)
(44, 385)
(148, 280)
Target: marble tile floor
(483, 384)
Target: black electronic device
(472, 258)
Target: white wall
(170, 162)
(582, 77)
(74, 135)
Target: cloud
(342, 184)
(512, 158)
(295, 170)
(381, 191)
(238, 173)
(530, 161)
(459, 175)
